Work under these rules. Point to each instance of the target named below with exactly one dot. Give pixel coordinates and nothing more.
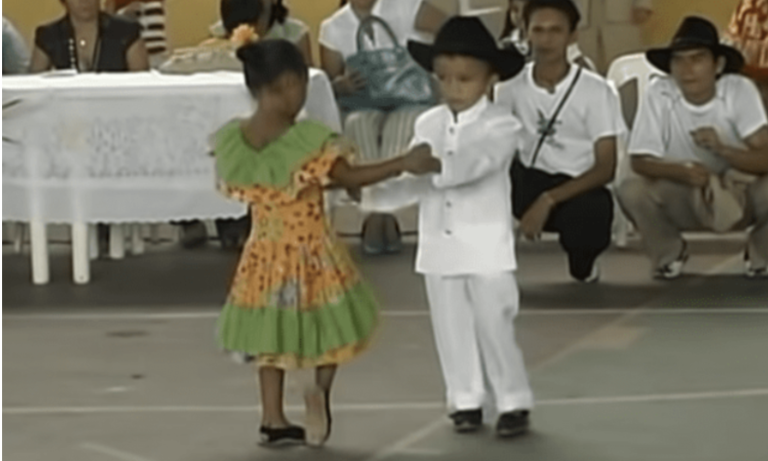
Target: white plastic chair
(624, 70)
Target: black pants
(583, 223)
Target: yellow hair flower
(243, 35)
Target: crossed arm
(752, 160)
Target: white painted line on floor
(714, 395)
(656, 311)
(405, 443)
(421, 452)
(373, 407)
(111, 452)
(342, 408)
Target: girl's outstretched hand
(419, 161)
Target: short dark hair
(236, 12)
(567, 7)
(265, 61)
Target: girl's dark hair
(343, 2)
(566, 6)
(236, 12)
(265, 61)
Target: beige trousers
(381, 135)
(662, 209)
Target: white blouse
(339, 31)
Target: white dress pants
(473, 321)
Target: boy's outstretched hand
(419, 161)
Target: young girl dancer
(297, 300)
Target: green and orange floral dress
(297, 299)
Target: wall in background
(669, 13)
(188, 20)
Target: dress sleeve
(318, 169)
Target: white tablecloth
(129, 147)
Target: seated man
(571, 119)
(700, 149)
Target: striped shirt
(152, 20)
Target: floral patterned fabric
(297, 299)
(748, 31)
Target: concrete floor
(631, 369)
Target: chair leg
(39, 242)
(154, 233)
(93, 242)
(18, 231)
(622, 229)
(137, 239)
(81, 265)
(116, 241)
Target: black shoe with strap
(290, 435)
(465, 421)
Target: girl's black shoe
(281, 436)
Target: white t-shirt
(592, 112)
(665, 120)
(339, 32)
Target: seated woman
(151, 16)
(514, 34)
(89, 40)
(273, 21)
(379, 134)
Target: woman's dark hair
(343, 2)
(236, 12)
(566, 6)
(279, 12)
(265, 61)
(508, 26)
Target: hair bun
(250, 53)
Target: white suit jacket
(465, 212)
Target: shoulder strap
(553, 119)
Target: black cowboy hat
(468, 36)
(696, 32)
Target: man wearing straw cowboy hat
(700, 149)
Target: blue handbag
(393, 79)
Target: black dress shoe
(467, 420)
(281, 436)
(513, 423)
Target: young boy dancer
(466, 244)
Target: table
(121, 148)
